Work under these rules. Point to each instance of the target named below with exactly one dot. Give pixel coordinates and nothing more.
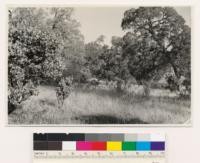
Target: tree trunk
(119, 86)
(11, 107)
(146, 86)
(175, 71)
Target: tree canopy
(41, 41)
(158, 37)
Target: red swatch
(101, 146)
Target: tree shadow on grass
(107, 119)
(101, 92)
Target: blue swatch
(143, 146)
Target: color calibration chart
(98, 147)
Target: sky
(96, 21)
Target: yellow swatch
(114, 146)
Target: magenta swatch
(83, 145)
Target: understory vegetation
(101, 107)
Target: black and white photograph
(111, 65)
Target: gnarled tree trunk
(146, 85)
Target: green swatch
(128, 146)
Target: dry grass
(101, 106)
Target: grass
(101, 106)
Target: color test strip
(99, 142)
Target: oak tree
(158, 37)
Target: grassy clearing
(100, 107)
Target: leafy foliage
(157, 37)
(39, 41)
(72, 41)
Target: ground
(101, 107)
